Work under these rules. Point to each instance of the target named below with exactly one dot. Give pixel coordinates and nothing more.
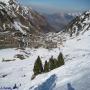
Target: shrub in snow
(15, 87)
(19, 56)
(7, 60)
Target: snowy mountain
(21, 18)
(74, 14)
(15, 73)
(58, 20)
(80, 23)
(4, 1)
(21, 27)
(18, 22)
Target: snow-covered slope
(5, 1)
(74, 75)
(19, 22)
(80, 23)
(15, 73)
(75, 14)
(14, 16)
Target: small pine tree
(51, 63)
(46, 67)
(56, 63)
(60, 60)
(38, 68)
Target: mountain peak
(5, 1)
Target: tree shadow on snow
(69, 86)
(49, 84)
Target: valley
(25, 35)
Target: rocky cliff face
(23, 19)
(80, 24)
(20, 22)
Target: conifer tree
(60, 60)
(56, 63)
(51, 63)
(38, 68)
(46, 67)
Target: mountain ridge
(20, 22)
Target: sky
(58, 5)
